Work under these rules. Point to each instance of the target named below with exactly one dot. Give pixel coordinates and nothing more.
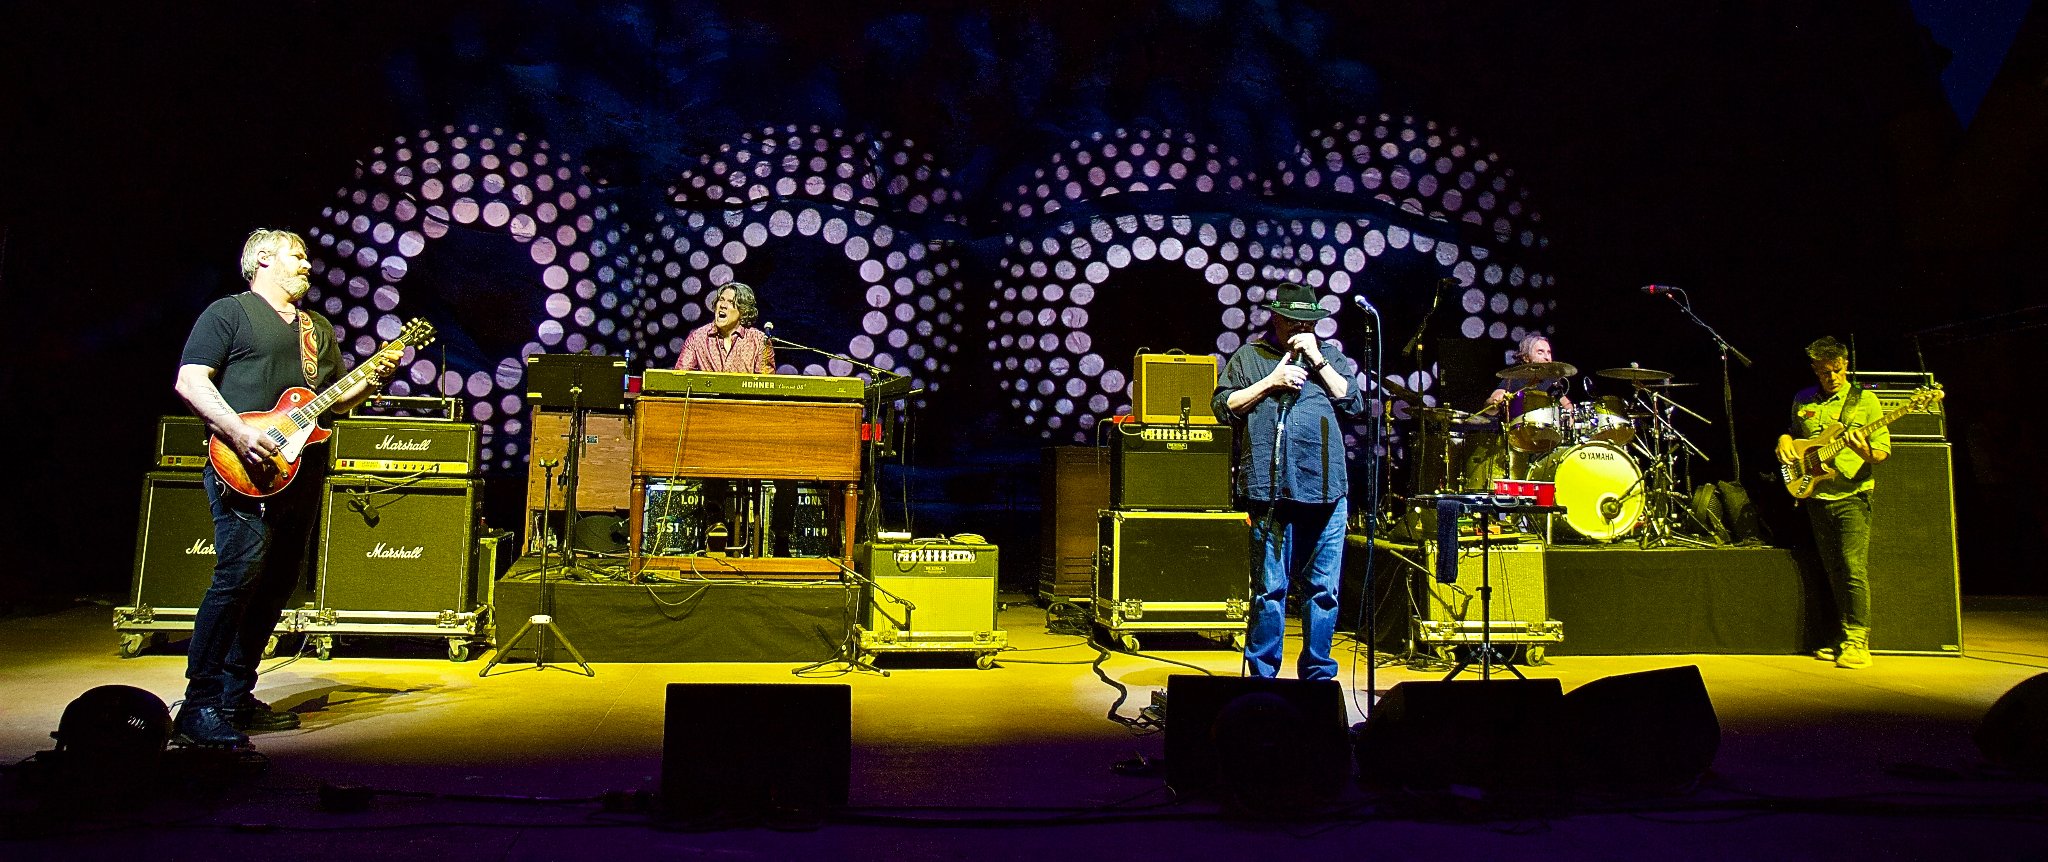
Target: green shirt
(1812, 412)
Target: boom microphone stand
(1727, 386)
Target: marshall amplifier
(174, 557)
(397, 547)
(407, 447)
(1170, 467)
(1893, 388)
(181, 443)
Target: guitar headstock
(1926, 397)
(417, 333)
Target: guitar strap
(309, 351)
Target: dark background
(1800, 167)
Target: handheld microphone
(1364, 304)
(1659, 289)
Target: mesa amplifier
(1893, 388)
(404, 447)
(397, 546)
(1167, 467)
(181, 443)
(952, 585)
(1173, 388)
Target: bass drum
(1600, 487)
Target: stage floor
(1025, 741)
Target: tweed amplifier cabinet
(952, 588)
(1914, 607)
(404, 447)
(1893, 388)
(397, 547)
(181, 443)
(1173, 388)
(1173, 571)
(1452, 613)
(1170, 467)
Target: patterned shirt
(1813, 412)
(750, 353)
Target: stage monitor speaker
(747, 750)
(1169, 467)
(1497, 734)
(2014, 733)
(1914, 602)
(1650, 730)
(397, 545)
(174, 553)
(1262, 742)
(1173, 389)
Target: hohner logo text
(385, 552)
(935, 555)
(391, 443)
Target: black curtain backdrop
(1794, 165)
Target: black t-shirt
(255, 353)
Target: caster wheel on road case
(324, 647)
(985, 661)
(1130, 642)
(133, 644)
(270, 647)
(1237, 641)
(1533, 655)
(458, 650)
(1447, 652)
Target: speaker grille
(174, 553)
(397, 547)
(1163, 380)
(1914, 606)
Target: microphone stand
(877, 396)
(1727, 384)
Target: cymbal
(1536, 371)
(1666, 385)
(1633, 373)
(1398, 390)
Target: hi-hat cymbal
(1537, 371)
(1667, 385)
(1634, 373)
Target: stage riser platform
(1630, 601)
(670, 622)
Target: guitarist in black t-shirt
(244, 352)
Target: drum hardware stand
(1663, 501)
(542, 623)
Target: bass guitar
(1814, 457)
(294, 424)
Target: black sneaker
(206, 727)
(255, 715)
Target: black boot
(207, 726)
(255, 715)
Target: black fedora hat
(1296, 302)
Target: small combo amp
(1170, 467)
(404, 447)
(932, 595)
(1173, 388)
(1454, 613)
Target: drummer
(1532, 348)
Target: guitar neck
(1888, 418)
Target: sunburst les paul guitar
(1814, 457)
(294, 424)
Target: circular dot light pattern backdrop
(416, 189)
(826, 186)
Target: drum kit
(1613, 458)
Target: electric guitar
(294, 424)
(1814, 457)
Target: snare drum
(1605, 420)
(1600, 487)
(1532, 424)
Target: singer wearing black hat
(1285, 392)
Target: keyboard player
(730, 342)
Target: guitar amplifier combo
(951, 589)
(181, 443)
(397, 557)
(1173, 389)
(1893, 388)
(1443, 614)
(174, 557)
(1173, 572)
(1171, 467)
(404, 447)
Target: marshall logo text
(391, 443)
(385, 552)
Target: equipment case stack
(1172, 553)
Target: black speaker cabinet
(1227, 733)
(173, 542)
(1914, 606)
(745, 750)
(1174, 571)
(1497, 734)
(397, 546)
(1170, 467)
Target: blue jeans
(1290, 538)
(261, 551)
(1841, 532)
